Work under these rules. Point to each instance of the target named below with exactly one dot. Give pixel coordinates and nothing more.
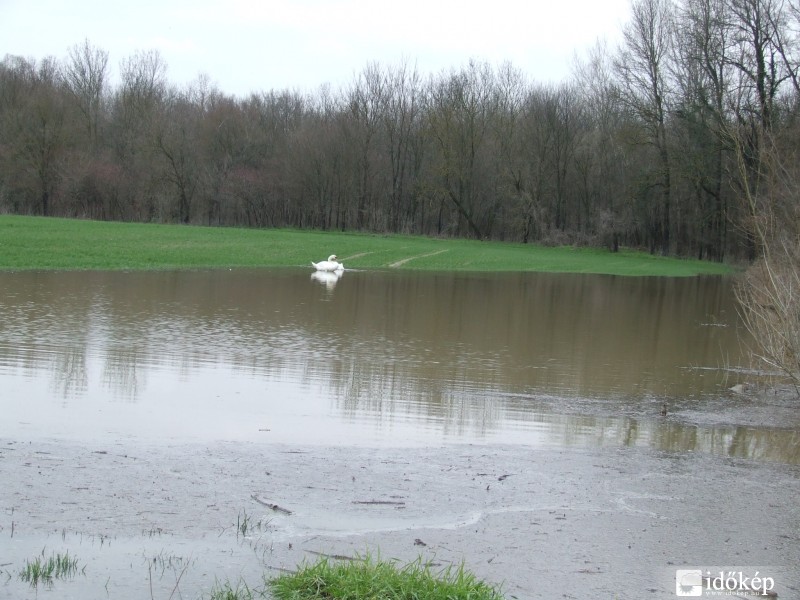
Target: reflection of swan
(327, 278)
(328, 265)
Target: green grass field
(28, 243)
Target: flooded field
(511, 421)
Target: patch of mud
(160, 520)
(752, 405)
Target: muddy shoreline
(164, 520)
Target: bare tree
(563, 116)
(759, 59)
(365, 101)
(769, 294)
(85, 74)
(460, 112)
(136, 109)
(785, 26)
(532, 180)
(510, 160)
(600, 159)
(176, 139)
(143, 90)
(401, 122)
(642, 70)
(321, 167)
(760, 74)
(33, 123)
(703, 74)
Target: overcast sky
(246, 45)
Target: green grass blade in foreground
(367, 579)
(69, 244)
(45, 570)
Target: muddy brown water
(511, 421)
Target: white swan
(332, 264)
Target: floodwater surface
(381, 358)
(177, 431)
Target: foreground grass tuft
(45, 570)
(368, 579)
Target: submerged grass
(242, 523)
(45, 569)
(226, 591)
(69, 244)
(369, 579)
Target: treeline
(658, 143)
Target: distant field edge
(48, 243)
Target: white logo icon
(689, 582)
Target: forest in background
(677, 141)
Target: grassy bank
(376, 579)
(364, 579)
(45, 243)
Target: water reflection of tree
(383, 390)
(767, 444)
(70, 375)
(122, 372)
(774, 444)
(470, 357)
